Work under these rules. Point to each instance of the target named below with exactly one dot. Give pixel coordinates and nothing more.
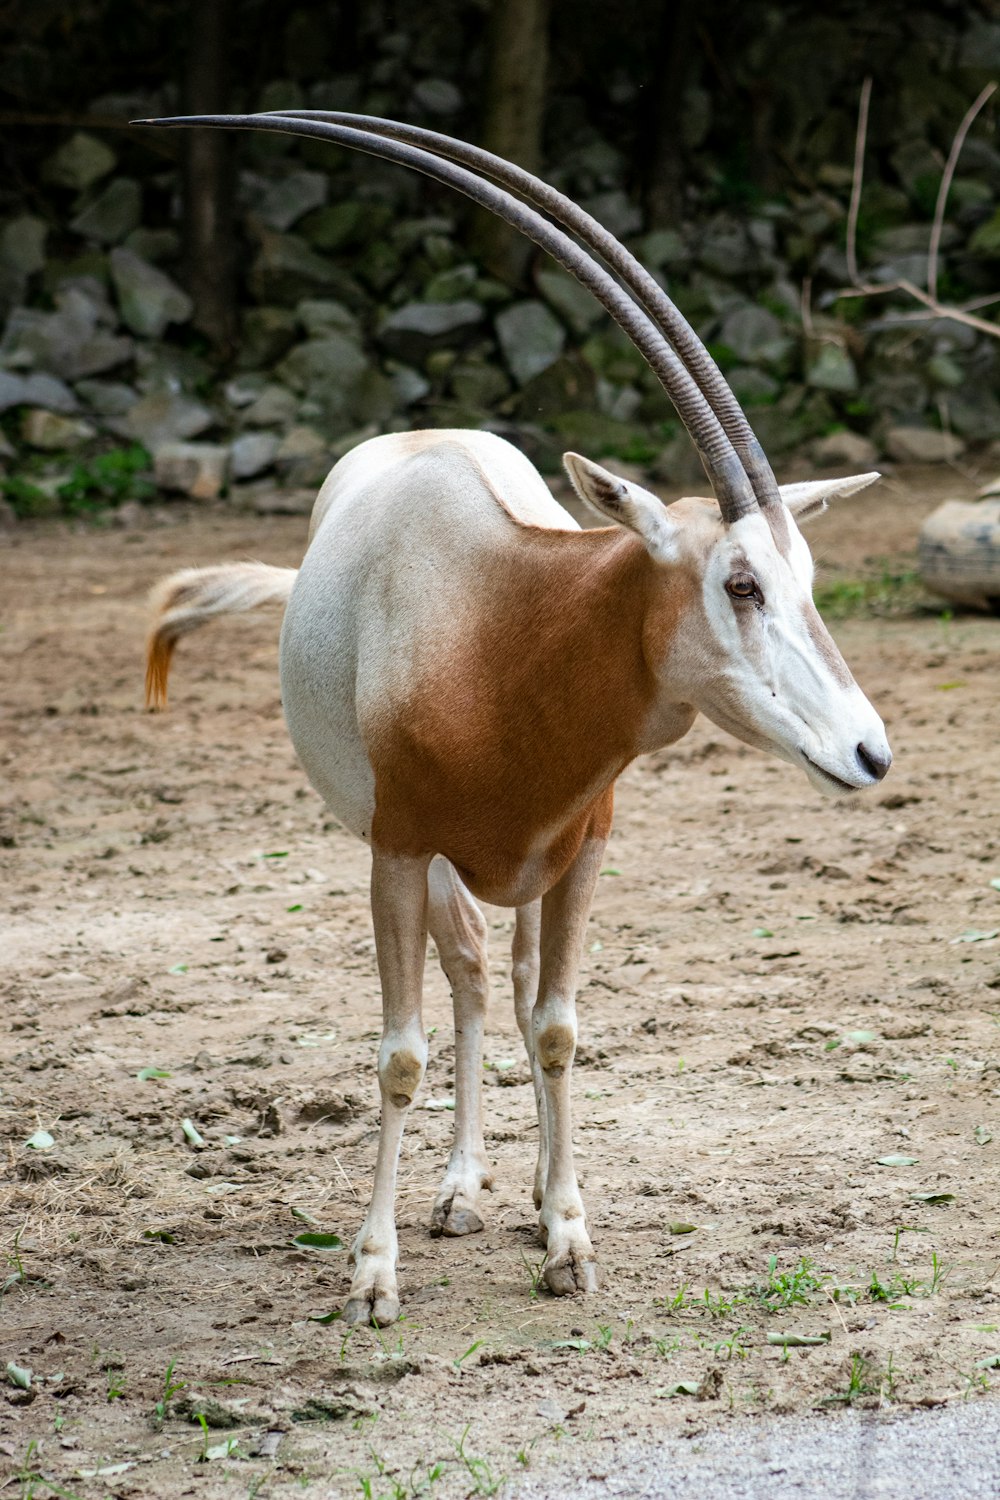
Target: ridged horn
(723, 466)
(645, 289)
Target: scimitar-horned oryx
(465, 674)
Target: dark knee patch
(400, 1077)
(554, 1047)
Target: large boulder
(36, 390)
(113, 214)
(290, 197)
(68, 342)
(147, 297)
(53, 433)
(198, 470)
(417, 328)
(79, 162)
(165, 417)
(531, 338)
(22, 244)
(923, 445)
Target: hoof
(570, 1275)
(452, 1220)
(373, 1307)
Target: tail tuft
(192, 597)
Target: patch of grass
(170, 1390)
(864, 1379)
(794, 1288)
(888, 593)
(107, 479)
(33, 1483)
(484, 1481)
(535, 1272)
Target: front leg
(570, 1265)
(399, 913)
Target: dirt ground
(780, 993)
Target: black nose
(876, 765)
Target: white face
(755, 657)
(776, 679)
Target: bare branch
(946, 176)
(937, 309)
(857, 179)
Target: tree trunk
(665, 164)
(208, 186)
(513, 115)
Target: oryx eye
(744, 586)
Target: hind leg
(525, 954)
(458, 928)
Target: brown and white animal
(465, 674)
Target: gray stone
(252, 453)
(724, 247)
(79, 162)
(267, 333)
(165, 417)
(303, 456)
(452, 284)
(322, 315)
(67, 343)
(351, 222)
(53, 433)
(576, 306)
(268, 501)
(109, 398)
(438, 96)
(945, 371)
(980, 46)
(912, 239)
(750, 385)
(155, 245)
(923, 445)
(330, 361)
(22, 244)
(478, 384)
(274, 407)
(36, 390)
(616, 211)
(832, 369)
(198, 470)
(660, 248)
(243, 390)
(847, 450)
(288, 199)
(115, 213)
(531, 338)
(416, 328)
(408, 384)
(51, 392)
(974, 412)
(755, 335)
(285, 267)
(147, 297)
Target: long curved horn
(643, 287)
(722, 464)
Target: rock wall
(363, 311)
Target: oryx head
(749, 648)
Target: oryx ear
(812, 497)
(626, 504)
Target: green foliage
(889, 593)
(109, 479)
